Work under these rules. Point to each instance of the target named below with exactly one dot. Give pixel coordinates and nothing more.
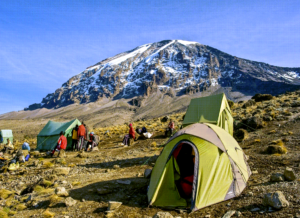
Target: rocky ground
(83, 184)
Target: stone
(241, 135)
(70, 202)
(116, 166)
(254, 122)
(82, 154)
(254, 172)
(238, 214)
(147, 173)
(36, 163)
(275, 149)
(61, 171)
(229, 214)
(277, 177)
(112, 205)
(125, 182)
(165, 119)
(163, 215)
(95, 149)
(249, 194)
(61, 192)
(30, 198)
(289, 174)
(103, 191)
(62, 154)
(275, 200)
(51, 177)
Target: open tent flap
(6, 134)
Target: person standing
(74, 137)
(81, 136)
(128, 136)
(170, 128)
(61, 143)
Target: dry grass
(54, 199)
(72, 165)
(48, 164)
(280, 143)
(47, 183)
(153, 144)
(42, 191)
(48, 214)
(3, 214)
(20, 207)
(257, 140)
(75, 183)
(272, 131)
(5, 193)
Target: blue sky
(44, 43)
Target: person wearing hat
(61, 143)
(128, 136)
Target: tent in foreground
(211, 109)
(200, 165)
(47, 138)
(6, 134)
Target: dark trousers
(80, 143)
(169, 132)
(57, 147)
(74, 144)
(126, 139)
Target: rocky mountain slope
(175, 68)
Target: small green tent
(211, 109)
(47, 138)
(218, 167)
(6, 134)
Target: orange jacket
(62, 141)
(81, 130)
(131, 132)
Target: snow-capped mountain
(174, 66)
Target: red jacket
(131, 132)
(81, 130)
(62, 141)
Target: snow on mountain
(181, 66)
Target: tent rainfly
(211, 109)
(210, 157)
(47, 138)
(6, 134)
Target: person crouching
(128, 136)
(91, 142)
(61, 143)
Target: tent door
(196, 168)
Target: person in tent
(170, 128)
(91, 142)
(81, 136)
(74, 137)
(61, 143)
(128, 136)
(185, 157)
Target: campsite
(98, 180)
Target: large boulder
(254, 122)
(277, 177)
(61, 171)
(289, 174)
(275, 200)
(70, 202)
(262, 97)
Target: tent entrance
(185, 157)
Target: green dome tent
(6, 134)
(48, 137)
(211, 109)
(219, 169)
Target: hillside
(116, 173)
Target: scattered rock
(275, 200)
(254, 172)
(61, 171)
(163, 215)
(238, 213)
(275, 149)
(165, 119)
(112, 205)
(51, 177)
(277, 177)
(30, 198)
(147, 173)
(36, 163)
(262, 97)
(254, 122)
(62, 154)
(249, 194)
(70, 202)
(61, 192)
(95, 149)
(289, 174)
(229, 214)
(116, 166)
(82, 154)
